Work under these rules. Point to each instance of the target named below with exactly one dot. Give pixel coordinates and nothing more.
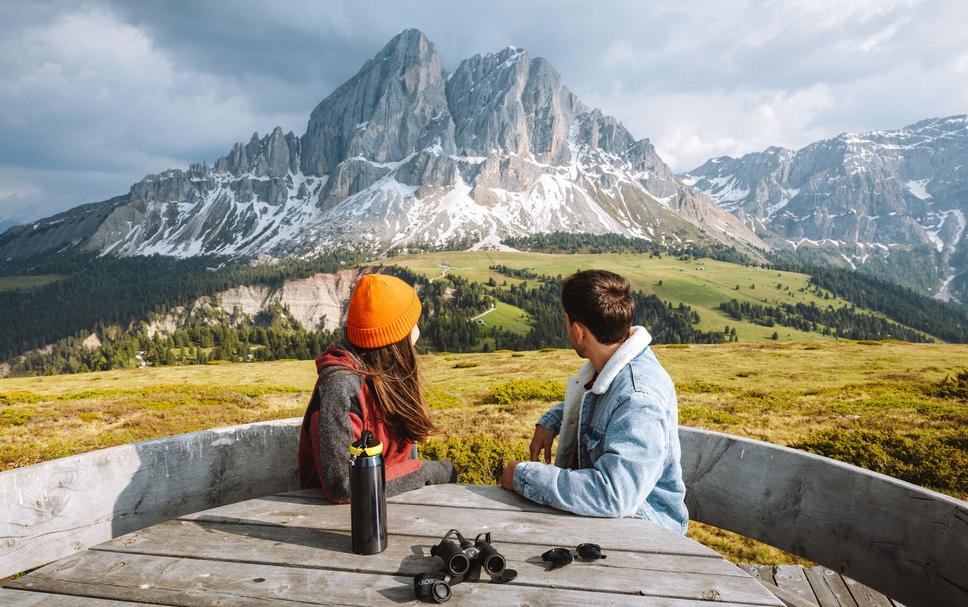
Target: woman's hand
(541, 441)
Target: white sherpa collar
(638, 339)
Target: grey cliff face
(383, 112)
(405, 154)
(859, 199)
(509, 102)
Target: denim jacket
(625, 430)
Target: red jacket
(398, 454)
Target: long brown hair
(395, 380)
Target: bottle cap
(362, 446)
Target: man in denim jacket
(618, 448)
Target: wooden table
(293, 548)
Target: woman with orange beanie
(370, 382)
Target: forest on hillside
(123, 291)
(43, 329)
(210, 334)
(451, 304)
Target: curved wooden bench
(53, 509)
(900, 539)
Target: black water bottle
(368, 502)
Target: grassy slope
(682, 281)
(10, 283)
(774, 392)
(508, 317)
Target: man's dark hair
(600, 300)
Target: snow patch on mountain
(916, 187)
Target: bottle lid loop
(363, 445)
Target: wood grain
(864, 596)
(557, 529)
(25, 598)
(829, 588)
(202, 583)
(792, 578)
(621, 572)
(453, 495)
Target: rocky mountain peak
(891, 202)
(404, 154)
(382, 112)
(508, 102)
(273, 155)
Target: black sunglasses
(559, 557)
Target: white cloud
(94, 95)
(87, 92)
(736, 77)
(689, 128)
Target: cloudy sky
(95, 94)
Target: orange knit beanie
(383, 310)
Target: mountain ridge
(404, 154)
(890, 202)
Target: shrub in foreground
(474, 456)
(938, 460)
(518, 390)
(955, 387)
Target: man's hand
(541, 441)
(507, 478)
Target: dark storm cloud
(94, 94)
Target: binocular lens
(491, 559)
(458, 564)
(464, 560)
(441, 592)
(454, 558)
(494, 564)
(432, 587)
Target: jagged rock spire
(382, 112)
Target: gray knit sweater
(338, 391)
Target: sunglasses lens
(557, 556)
(591, 552)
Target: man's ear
(581, 331)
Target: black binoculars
(559, 557)
(463, 562)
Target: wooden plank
(866, 597)
(487, 497)
(903, 540)
(654, 575)
(25, 598)
(59, 507)
(792, 578)
(829, 588)
(291, 544)
(551, 529)
(763, 573)
(198, 583)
